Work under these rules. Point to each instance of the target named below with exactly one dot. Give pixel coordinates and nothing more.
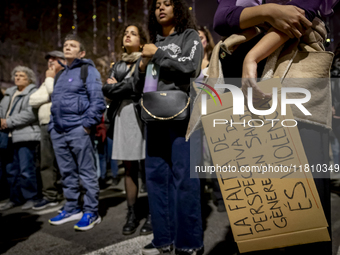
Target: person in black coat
(126, 127)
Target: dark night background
(28, 29)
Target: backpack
(83, 75)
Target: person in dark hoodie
(76, 109)
(174, 197)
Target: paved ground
(27, 232)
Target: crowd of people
(64, 119)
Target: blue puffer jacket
(72, 104)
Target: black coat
(123, 89)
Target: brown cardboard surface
(277, 241)
(266, 210)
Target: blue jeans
(21, 171)
(4, 189)
(174, 197)
(114, 163)
(74, 151)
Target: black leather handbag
(169, 105)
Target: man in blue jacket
(76, 109)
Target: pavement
(28, 232)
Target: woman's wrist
(268, 12)
(250, 58)
(141, 69)
(141, 66)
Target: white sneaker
(150, 249)
(28, 205)
(7, 206)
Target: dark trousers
(50, 175)
(336, 128)
(21, 171)
(74, 151)
(174, 197)
(315, 140)
(4, 189)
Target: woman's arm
(289, 19)
(115, 90)
(266, 46)
(188, 62)
(118, 90)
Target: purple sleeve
(310, 7)
(227, 18)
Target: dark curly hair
(142, 34)
(183, 19)
(210, 41)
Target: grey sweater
(179, 56)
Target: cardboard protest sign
(273, 201)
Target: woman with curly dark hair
(180, 18)
(174, 197)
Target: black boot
(131, 222)
(147, 227)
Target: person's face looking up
(72, 51)
(131, 39)
(21, 79)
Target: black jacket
(123, 89)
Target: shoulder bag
(169, 105)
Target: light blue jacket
(23, 121)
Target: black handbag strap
(83, 75)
